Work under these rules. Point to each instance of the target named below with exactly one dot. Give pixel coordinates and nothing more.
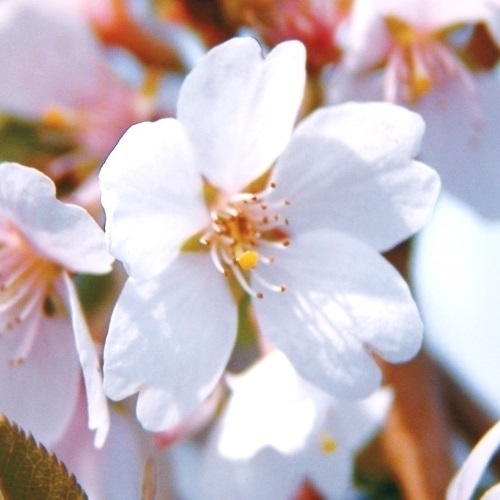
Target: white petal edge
(152, 195)
(170, 339)
(342, 300)
(350, 168)
(464, 483)
(62, 233)
(98, 412)
(239, 108)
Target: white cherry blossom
(276, 419)
(303, 241)
(43, 241)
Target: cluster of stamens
(244, 233)
(25, 280)
(419, 62)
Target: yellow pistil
(248, 260)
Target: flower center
(420, 61)
(244, 234)
(25, 286)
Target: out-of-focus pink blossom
(44, 340)
(410, 53)
(122, 467)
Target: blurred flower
(276, 421)
(64, 81)
(314, 22)
(465, 482)
(123, 468)
(303, 240)
(42, 241)
(413, 53)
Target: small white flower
(42, 240)
(186, 221)
(275, 417)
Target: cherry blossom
(276, 419)
(45, 343)
(195, 213)
(64, 82)
(409, 53)
(120, 468)
(63, 76)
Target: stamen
(27, 342)
(243, 282)
(214, 254)
(20, 291)
(267, 260)
(266, 284)
(239, 230)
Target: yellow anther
(421, 85)
(328, 444)
(248, 260)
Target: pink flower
(407, 52)
(44, 341)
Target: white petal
(464, 483)
(492, 493)
(239, 108)
(270, 406)
(342, 300)
(152, 196)
(65, 234)
(353, 423)
(40, 395)
(350, 168)
(113, 472)
(344, 85)
(462, 140)
(61, 63)
(97, 405)
(368, 41)
(455, 277)
(170, 339)
(268, 476)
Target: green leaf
(28, 471)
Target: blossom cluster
(198, 214)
